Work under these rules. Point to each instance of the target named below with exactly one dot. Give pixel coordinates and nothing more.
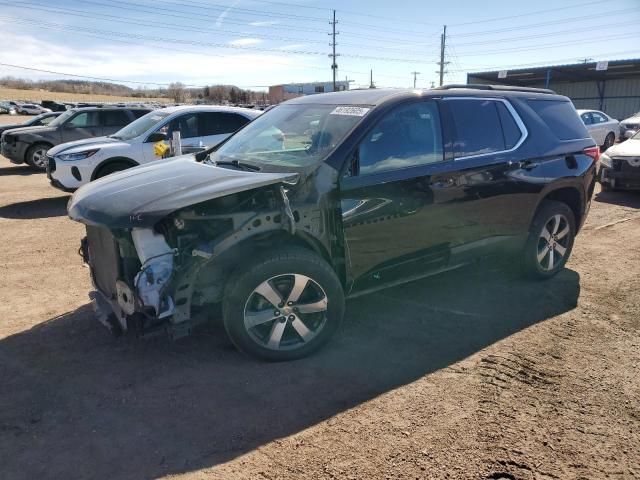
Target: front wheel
(283, 305)
(608, 141)
(550, 240)
(37, 157)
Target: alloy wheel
(285, 312)
(39, 158)
(553, 242)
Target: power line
(92, 78)
(545, 11)
(538, 24)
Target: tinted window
(560, 117)
(598, 117)
(407, 136)
(217, 123)
(478, 129)
(85, 119)
(186, 124)
(114, 118)
(139, 113)
(510, 130)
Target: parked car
(620, 166)
(370, 188)
(630, 126)
(39, 120)
(74, 164)
(30, 144)
(32, 109)
(54, 106)
(602, 128)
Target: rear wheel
(37, 156)
(112, 167)
(550, 240)
(284, 305)
(608, 141)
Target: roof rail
(505, 88)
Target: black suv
(30, 144)
(333, 195)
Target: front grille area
(51, 164)
(104, 259)
(623, 166)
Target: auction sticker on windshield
(353, 111)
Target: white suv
(73, 164)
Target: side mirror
(157, 137)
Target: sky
(257, 43)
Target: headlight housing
(71, 157)
(605, 160)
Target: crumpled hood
(630, 148)
(141, 196)
(81, 145)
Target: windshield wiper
(237, 164)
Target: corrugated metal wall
(621, 97)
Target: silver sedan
(602, 128)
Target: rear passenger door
(214, 127)
(494, 182)
(114, 120)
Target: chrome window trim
(523, 129)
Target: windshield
(141, 125)
(291, 135)
(61, 119)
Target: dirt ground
(477, 374)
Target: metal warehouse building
(612, 87)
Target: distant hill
(78, 86)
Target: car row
(73, 164)
(335, 195)
(30, 144)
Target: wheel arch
(220, 267)
(569, 194)
(104, 163)
(35, 144)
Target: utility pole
(333, 55)
(371, 85)
(442, 63)
(415, 74)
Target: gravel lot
(475, 374)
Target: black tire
(35, 156)
(112, 167)
(606, 187)
(276, 268)
(609, 140)
(536, 245)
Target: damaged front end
(154, 272)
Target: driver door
(81, 126)
(394, 214)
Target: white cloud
(240, 42)
(150, 63)
(267, 23)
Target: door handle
(525, 164)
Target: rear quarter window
(561, 118)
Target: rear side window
(478, 128)
(217, 123)
(510, 130)
(560, 117)
(139, 113)
(114, 118)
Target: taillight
(593, 152)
